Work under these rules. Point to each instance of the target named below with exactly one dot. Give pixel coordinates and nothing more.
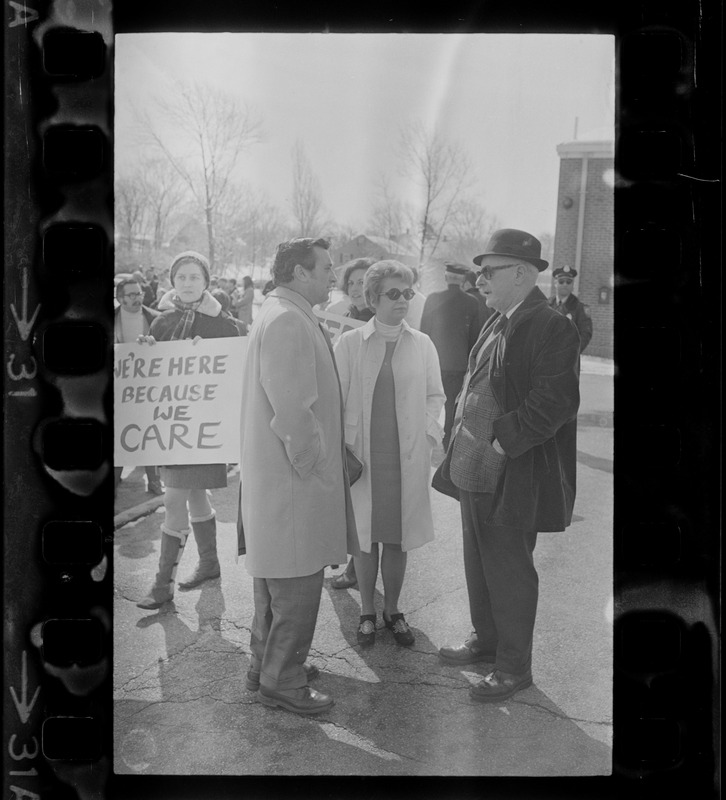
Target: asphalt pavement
(181, 706)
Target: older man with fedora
(512, 459)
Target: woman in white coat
(392, 391)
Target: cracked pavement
(181, 706)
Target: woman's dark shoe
(367, 630)
(401, 632)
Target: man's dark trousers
(502, 583)
(452, 382)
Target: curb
(136, 512)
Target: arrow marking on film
(24, 708)
(24, 325)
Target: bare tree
(164, 192)
(250, 227)
(388, 217)
(129, 207)
(441, 171)
(211, 130)
(263, 227)
(470, 229)
(306, 201)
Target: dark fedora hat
(511, 242)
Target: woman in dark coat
(189, 312)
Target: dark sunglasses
(394, 294)
(488, 272)
(564, 280)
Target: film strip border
(58, 495)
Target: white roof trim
(601, 149)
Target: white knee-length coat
(419, 399)
(295, 499)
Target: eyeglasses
(132, 295)
(487, 272)
(394, 294)
(564, 280)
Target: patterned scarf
(184, 326)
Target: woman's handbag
(441, 480)
(355, 465)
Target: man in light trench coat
(296, 516)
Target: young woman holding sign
(189, 312)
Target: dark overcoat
(574, 309)
(533, 373)
(451, 319)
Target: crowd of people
(153, 290)
(336, 445)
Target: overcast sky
(509, 100)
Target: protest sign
(178, 402)
(336, 324)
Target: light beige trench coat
(419, 400)
(295, 504)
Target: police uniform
(573, 308)
(452, 320)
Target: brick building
(585, 231)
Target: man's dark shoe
(466, 653)
(300, 701)
(253, 676)
(499, 686)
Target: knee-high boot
(205, 534)
(170, 553)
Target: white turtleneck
(388, 332)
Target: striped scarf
(184, 326)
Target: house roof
(394, 248)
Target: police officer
(452, 320)
(568, 304)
